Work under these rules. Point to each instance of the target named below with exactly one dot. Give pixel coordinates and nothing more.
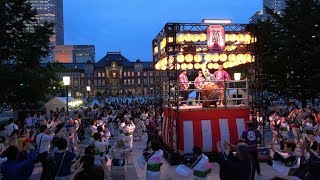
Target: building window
(89, 83)
(139, 82)
(95, 82)
(99, 74)
(144, 74)
(151, 74)
(125, 74)
(145, 80)
(138, 73)
(129, 81)
(132, 73)
(103, 82)
(128, 73)
(132, 82)
(103, 74)
(114, 74)
(82, 75)
(99, 82)
(75, 83)
(125, 82)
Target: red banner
(216, 38)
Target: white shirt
(45, 142)
(29, 121)
(11, 127)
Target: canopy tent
(95, 102)
(57, 102)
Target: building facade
(256, 17)
(51, 11)
(276, 5)
(113, 75)
(74, 53)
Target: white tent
(57, 102)
(95, 101)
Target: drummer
(198, 84)
(221, 75)
(208, 76)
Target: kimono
(128, 134)
(201, 168)
(138, 130)
(154, 163)
(118, 156)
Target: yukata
(118, 162)
(201, 168)
(137, 133)
(122, 125)
(154, 163)
(128, 134)
(284, 129)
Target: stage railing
(236, 93)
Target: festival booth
(197, 47)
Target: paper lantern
(215, 57)
(202, 37)
(231, 64)
(225, 65)
(170, 39)
(232, 57)
(240, 57)
(163, 68)
(155, 50)
(198, 58)
(177, 66)
(190, 66)
(187, 37)
(189, 58)
(184, 66)
(198, 49)
(157, 66)
(210, 66)
(180, 38)
(207, 57)
(215, 66)
(240, 38)
(230, 47)
(232, 37)
(197, 66)
(226, 37)
(223, 57)
(247, 57)
(247, 38)
(171, 60)
(203, 66)
(253, 59)
(194, 37)
(180, 58)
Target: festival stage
(202, 127)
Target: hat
(243, 148)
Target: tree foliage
(290, 49)
(23, 43)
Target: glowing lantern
(230, 47)
(198, 49)
(197, 66)
(202, 37)
(157, 66)
(184, 66)
(232, 37)
(203, 66)
(215, 66)
(180, 38)
(165, 61)
(247, 38)
(198, 58)
(232, 57)
(225, 65)
(253, 58)
(240, 58)
(231, 64)
(170, 39)
(171, 60)
(247, 57)
(194, 37)
(189, 58)
(190, 66)
(240, 38)
(155, 50)
(226, 37)
(207, 57)
(187, 37)
(223, 57)
(177, 66)
(215, 57)
(210, 66)
(163, 68)
(180, 58)
(163, 43)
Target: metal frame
(171, 75)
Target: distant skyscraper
(51, 11)
(257, 16)
(74, 53)
(276, 5)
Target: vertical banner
(216, 38)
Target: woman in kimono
(118, 154)
(154, 161)
(137, 133)
(128, 133)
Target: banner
(216, 38)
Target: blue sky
(130, 25)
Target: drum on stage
(211, 92)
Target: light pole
(66, 83)
(88, 90)
(237, 77)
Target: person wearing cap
(184, 85)
(252, 137)
(201, 167)
(238, 166)
(198, 83)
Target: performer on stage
(198, 83)
(221, 75)
(208, 76)
(184, 85)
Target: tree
(23, 43)
(290, 49)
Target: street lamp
(88, 90)
(66, 83)
(237, 77)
